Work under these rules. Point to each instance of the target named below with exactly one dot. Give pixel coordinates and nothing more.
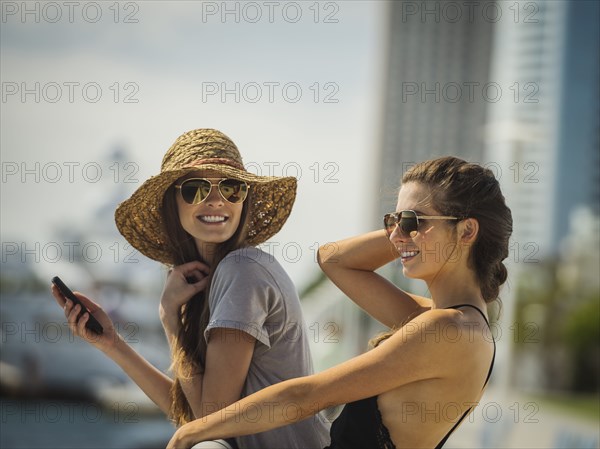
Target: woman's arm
(153, 382)
(351, 265)
(228, 354)
(414, 353)
(228, 358)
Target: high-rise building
(435, 93)
(513, 85)
(543, 136)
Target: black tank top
(359, 426)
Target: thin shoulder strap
(472, 306)
(489, 327)
(441, 444)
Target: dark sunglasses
(196, 190)
(408, 221)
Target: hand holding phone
(92, 323)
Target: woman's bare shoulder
(447, 333)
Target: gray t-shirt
(250, 291)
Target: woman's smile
(212, 219)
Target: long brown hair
(462, 189)
(189, 353)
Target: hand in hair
(183, 282)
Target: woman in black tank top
(450, 229)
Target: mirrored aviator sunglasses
(196, 190)
(408, 222)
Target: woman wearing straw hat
(451, 229)
(230, 312)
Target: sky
(296, 85)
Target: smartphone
(92, 323)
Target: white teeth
(213, 218)
(409, 253)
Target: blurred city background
(345, 95)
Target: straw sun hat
(139, 219)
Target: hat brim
(139, 219)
